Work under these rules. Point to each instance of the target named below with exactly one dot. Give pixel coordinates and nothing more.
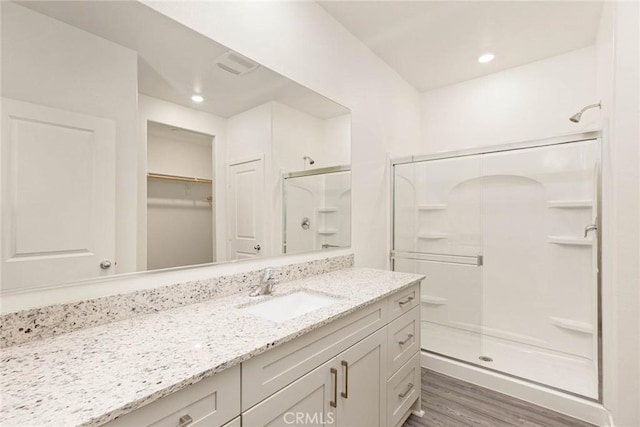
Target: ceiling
(437, 43)
(174, 62)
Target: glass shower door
(437, 223)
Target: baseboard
(572, 406)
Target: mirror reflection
(131, 143)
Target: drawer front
(210, 402)
(403, 301)
(403, 335)
(403, 389)
(269, 372)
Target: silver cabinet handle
(257, 248)
(185, 420)
(407, 301)
(404, 394)
(345, 393)
(334, 403)
(105, 264)
(407, 340)
(588, 228)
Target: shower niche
(507, 241)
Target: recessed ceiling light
(197, 98)
(487, 57)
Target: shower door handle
(588, 228)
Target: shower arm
(590, 106)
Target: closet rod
(179, 178)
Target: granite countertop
(91, 376)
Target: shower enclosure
(316, 209)
(508, 241)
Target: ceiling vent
(235, 63)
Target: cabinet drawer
(269, 372)
(210, 402)
(403, 301)
(403, 335)
(403, 389)
(234, 423)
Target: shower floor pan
(561, 371)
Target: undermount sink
(290, 306)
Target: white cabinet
(348, 390)
(308, 401)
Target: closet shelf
(432, 207)
(432, 236)
(179, 178)
(327, 209)
(574, 325)
(564, 240)
(430, 299)
(570, 204)
(327, 231)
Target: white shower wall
(524, 211)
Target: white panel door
(363, 385)
(246, 209)
(309, 401)
(58, 195)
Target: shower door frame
(500, 148)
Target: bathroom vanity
(351, 359)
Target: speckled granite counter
(91, 376)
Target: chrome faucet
(266, 284)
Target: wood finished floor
(449, 402)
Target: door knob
(257, 248)
(105, 264)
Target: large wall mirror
(132, 143)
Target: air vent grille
(235, 63)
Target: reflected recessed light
(487, 57)
(197, 98)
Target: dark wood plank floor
(449, 402)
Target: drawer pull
(404, 394)
(409, 337)
(334, 403)
(185, 420)
(407, 301)
(345, 393)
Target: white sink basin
(290, 306)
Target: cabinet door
(309, 401)
(363, 382)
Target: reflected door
(246, 206)
(437, 220)
(63, 164)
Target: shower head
(577, 116)
(311, 161)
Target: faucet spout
(267, 283)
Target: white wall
(522, 103)
(51, 63)
(159, 111)
(336, 139)
(300, 40)
(619, 87)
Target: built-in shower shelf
(432, 236)
(432, 207)
(327, 231)
(570, 204)
(574, 325)
(327, 209)
(431, 300)
(576, 241)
